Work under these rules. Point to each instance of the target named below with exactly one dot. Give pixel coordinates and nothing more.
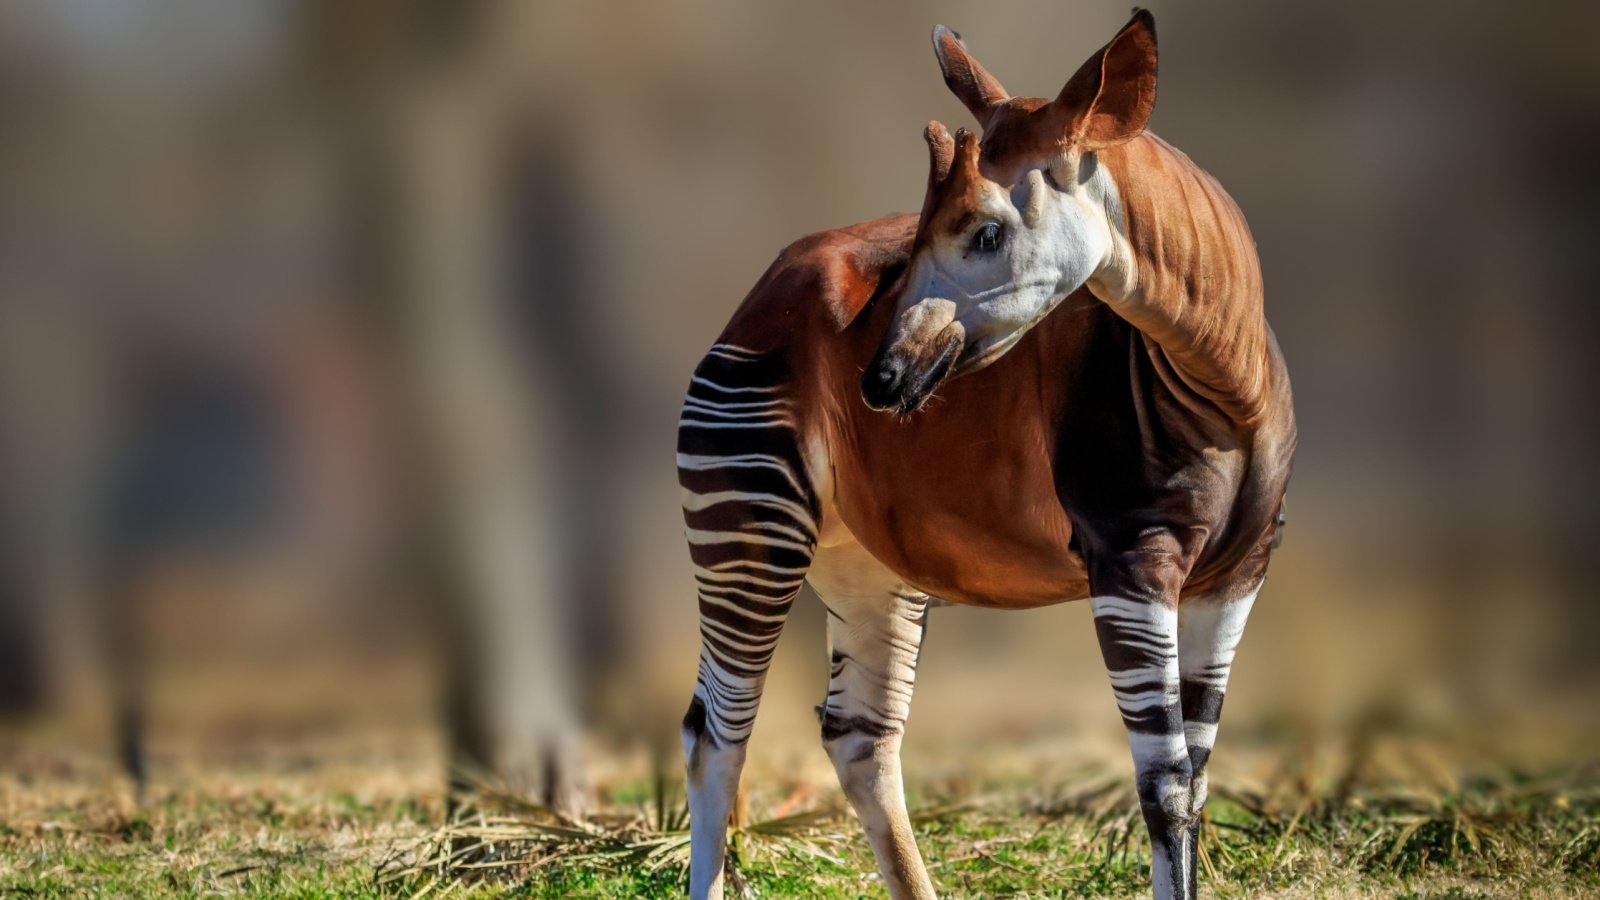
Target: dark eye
(987, 238)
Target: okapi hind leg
(751, 522)
(1209, 628)
(875, 630)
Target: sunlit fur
(1061, 223)
(1094, 409)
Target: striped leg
(875, 628)
(1138, 631)
(751, 519)
(1209, 629)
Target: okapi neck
(1195, 286)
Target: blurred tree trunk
(413, 86)
(23, 677)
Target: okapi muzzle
(924, 340)
(907, 369)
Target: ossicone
(941, 150)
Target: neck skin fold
(1182, 268)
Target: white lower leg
(713, 782)
(1209, 629)
(869, 771)
(1166, 873)
(875, 627)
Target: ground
(320, 774)
(359, 816)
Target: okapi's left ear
(1111, 96)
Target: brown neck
(1193, 284)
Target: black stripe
(1202, 702)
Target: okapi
(1113, 422)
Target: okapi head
(1015, 222)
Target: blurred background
(341, 349)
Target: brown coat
(1174, 412)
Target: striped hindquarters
(750, 517)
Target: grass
(189, 846)
(1378, 818)
(1358, 832)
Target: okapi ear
(1112, 94)
(979, 91)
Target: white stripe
(750, 596)
(1150, 628)
(697, 536)
(1200, 734)
(781, 530)
(783, 422)
(730, 350)
(696, 379)
(1138, 701)
(694, 502)
(1124, 678)
(700, 409)
(1149, 648)
(1151, 631)
(735, 405)
(1154, 613)
(706, 574)
(744, 461)
(1156, 749)
(736, 638)
(733, 563)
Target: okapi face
(1013, 224)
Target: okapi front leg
(751, 522)
(875, 629)
(1209, 629)
(1138, 630)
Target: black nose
(880, 384)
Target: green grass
(1361, 830)
(1506, 834)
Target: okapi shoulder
(825, 278)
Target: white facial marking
(1059, 230)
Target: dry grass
(307, 818)
(1378, 815)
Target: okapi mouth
(897, 381)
